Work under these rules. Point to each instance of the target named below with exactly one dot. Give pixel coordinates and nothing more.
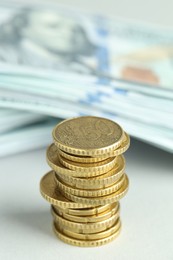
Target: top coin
(88, 135)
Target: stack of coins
(87, 180)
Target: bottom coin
(85, 243)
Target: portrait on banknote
(73, 42)
(45, 38)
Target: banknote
(144, 128)
(50, 38)
(104, 102)
(57, 63)
(11, 119)
(82, 90)
(24, 139)
(38, 136)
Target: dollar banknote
(11, 119)
(49, 38)
(57, 62)
(38, 135)
(27, 138)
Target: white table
(147, 210)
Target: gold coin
(87, 136)
(122, 148)
(54, 162)
(82, 231)
(88, 159)
(49, 191)
(89, 219)
(82, 243)
(115, 196)
(84, 227)
(92, 236)
(98, 167)
(90, 193)
(83, 159)
(84, 212)
(98, 182)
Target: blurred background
(58, 62)
(61, 59)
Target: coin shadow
(36, 221)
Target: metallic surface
(90, 193)
(87, 212)
(92, 236)
(101, 167)
(95, 201)
(87, 243)
(97, 182)
(88, 219)
(87, 180)
(87, 135)
(49, 191)
(54, 161)
(88, 159)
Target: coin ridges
(101, 167)
(84, 226)
(54, 161)
(88, 136)
(92, 236)
(88, 219)
(100, 200)
(87, 180)
(88, 159)
(100, 181)
(88, 211)
(78, 242)
(48, 190)
(90, 193)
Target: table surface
(146, 211)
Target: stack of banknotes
(57, 63)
